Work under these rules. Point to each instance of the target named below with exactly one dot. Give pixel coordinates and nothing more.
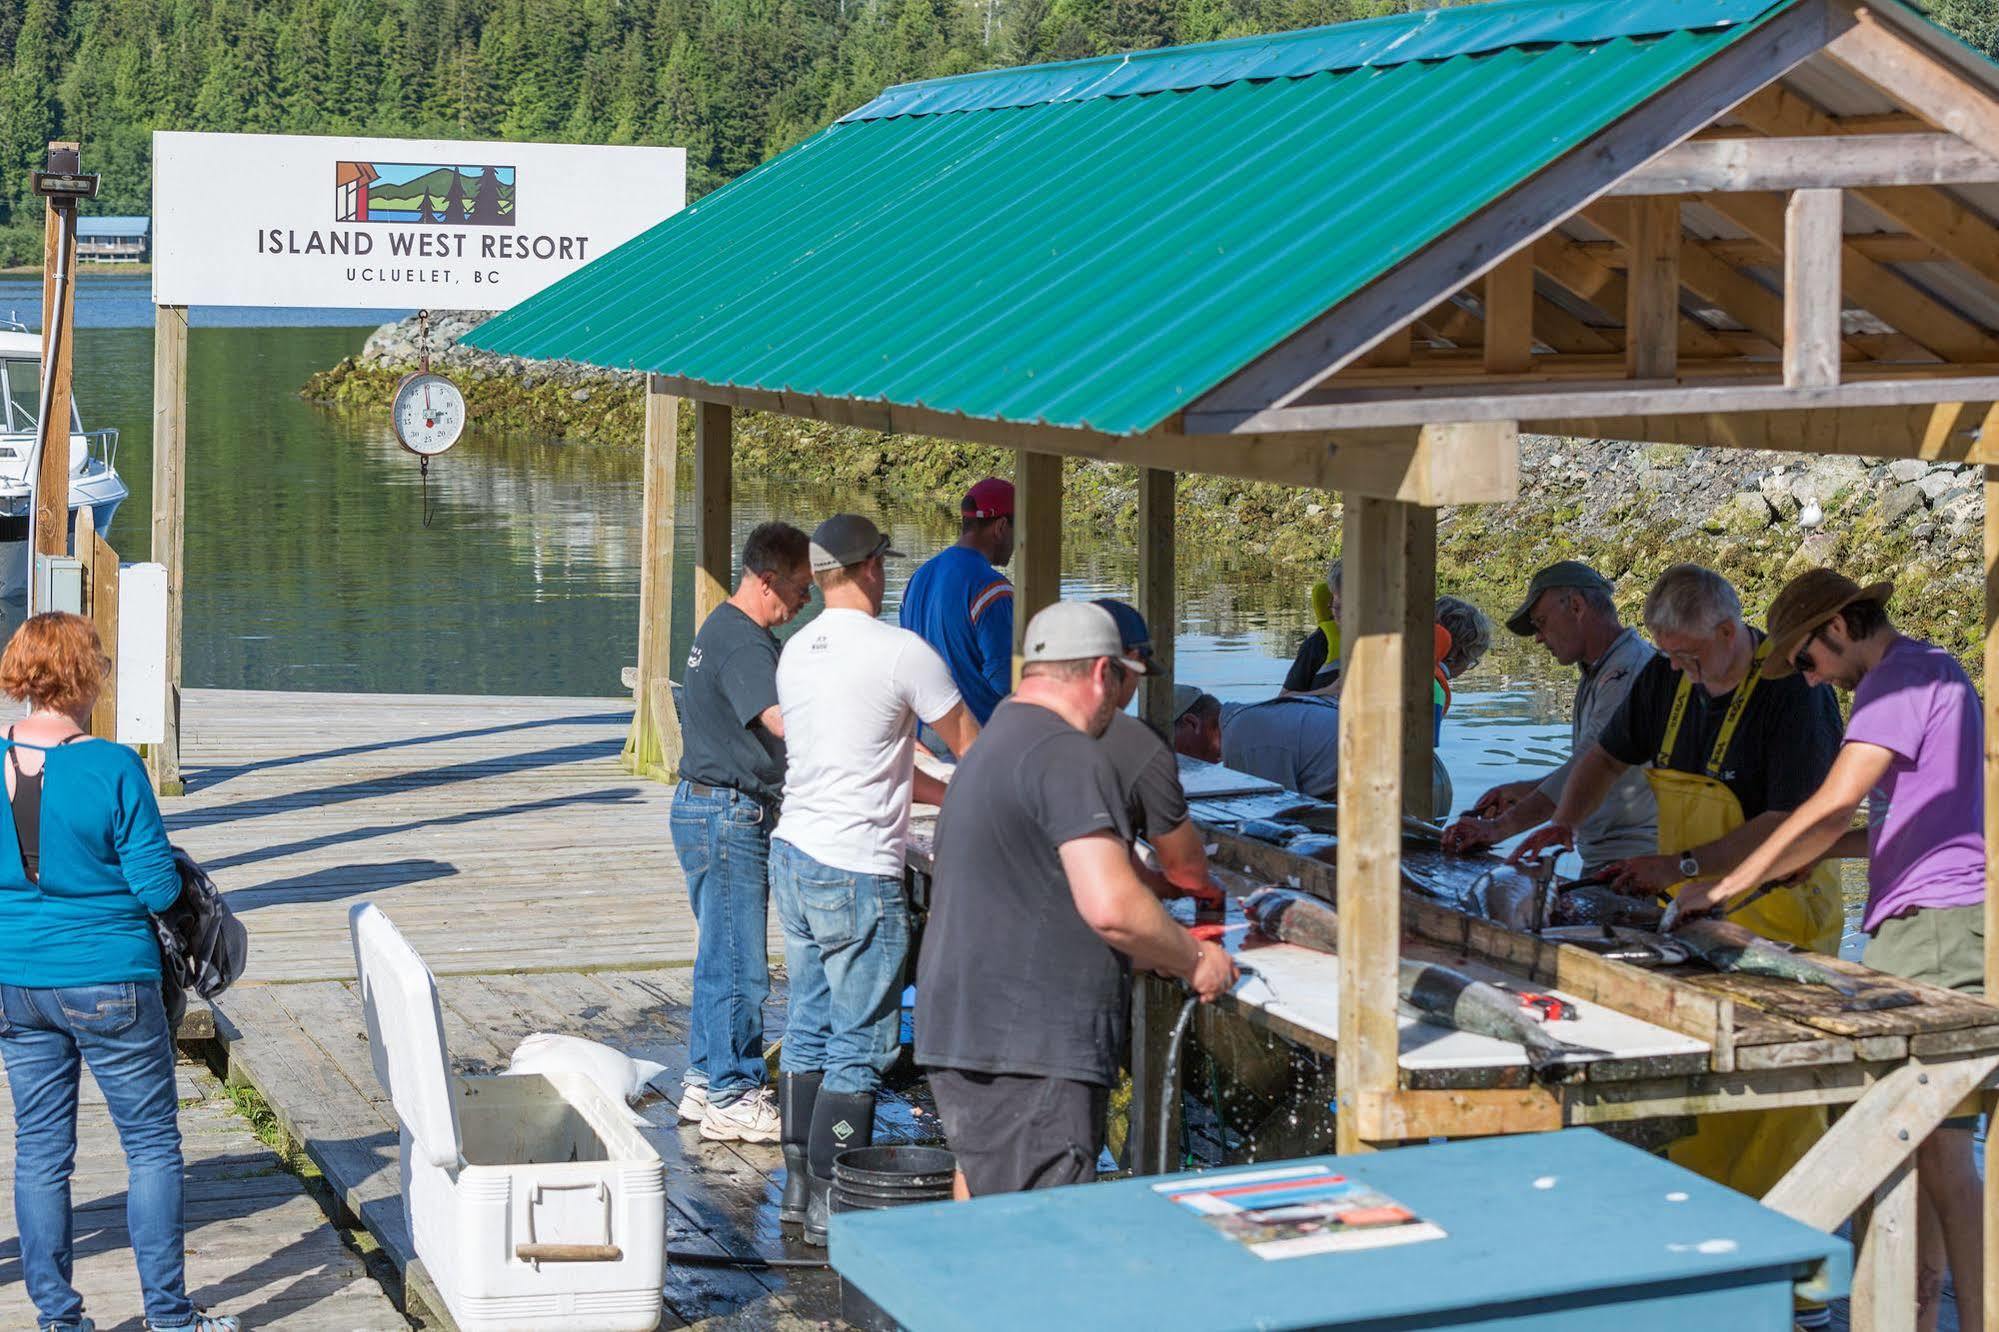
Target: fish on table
(1425, 989)
(1726, 946)
(1598, 904)
(1508, 895)
(1622, 943)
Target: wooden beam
(1845, 1166)
(169, 512)
(1881, 291)
(1416, 1115)
(1884, 1273)
(1372, 611)
(1037, 507)
(653, 748)
(1391, 350)
(1652, 308)
(1376, 408)
(1326, 344)
(1813, 223)
(1880, 49)
(1882, 247)
(1734, 165)
(1931, 214)
(1591, 275)
(1156, 522)
(51, 516)
(1509, 314)
(714, 508)
(1419, 614)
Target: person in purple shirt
(1914, 752)
(962, 605)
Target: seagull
(1812, 515)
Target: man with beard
(1037, 917)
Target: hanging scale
(427, 412)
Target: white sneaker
(754, 1118)
(693, 1102)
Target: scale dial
(428, 414)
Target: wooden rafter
(1881, 247)
(1807, 162)
(1652, 297)
(1883, 52)
(1591, 277)
(1878, 290)
(1931, 214)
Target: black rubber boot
(839, 1120)
(795, 1094)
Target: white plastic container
(533, 1203)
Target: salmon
(1726, 946)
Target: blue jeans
(723, 841)
(846, 943)
(121, 1029)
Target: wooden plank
(714, 507)
(1375, 593)
(1884, 1275)
(1509, 314)
(1652, 309)
(169, 509)
(1860, 1153)
(1418, 1115)
(1037, 503)
(1592, 276)
(1331, 341)
(1419, 539)
(103, 578)
(1735, 165)
(51, 519)
(1813, 227)
(653, 748)
(1918, 72)
(1464, 462)
(1156, 602)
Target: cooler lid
(406, 1034)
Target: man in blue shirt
(1293, 739)
(962, 605)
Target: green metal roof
(1097, 243)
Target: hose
(754, 1263)
(1170, 1084)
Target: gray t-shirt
(1148, 776)
(1626, 824)
(1011, 979)
(731, 679)
(1293, 741)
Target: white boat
(93, 455)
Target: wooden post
(51, 520)
(100, 607)
(653, 748)
(169, 508)
(1155, 592)
(1884, 1276)
(1813, 233)
(1418, 694)
(1991, 840)
(1037, 508)
(1652, 314)
(1374, 606)
(714, 501)
(1509, 316)
(1155, 1007)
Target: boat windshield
(21, 396)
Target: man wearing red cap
(962, 605)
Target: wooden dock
(258, 1245)
(537, 878)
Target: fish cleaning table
(1553, 1231)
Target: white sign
(306, 220)
(142, 654)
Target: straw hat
(1807, 602)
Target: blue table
(1566, 1231)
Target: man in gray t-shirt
(1037, 917)
(1569, 611)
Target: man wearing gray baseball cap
(851, 690)
(1037, 917)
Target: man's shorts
(1012, 1132)
(1939, 945)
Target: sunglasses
(1802, 661)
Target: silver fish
(1598, 905)
(1622, 943)
(1507, 895)
(1425, 989)
(1726, 946)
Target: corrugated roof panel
(1436, 34)
(1096, 263)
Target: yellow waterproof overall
(1749, 1150)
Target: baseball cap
(1563, 573)
(1076, 631)
(1184, 696)
(844, 539)
(1132, 631)
(990, 498)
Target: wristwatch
(1689, 867)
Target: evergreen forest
(732, 81)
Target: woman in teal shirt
(84, 862)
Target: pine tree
(454, 198)
(28, 107)
(427, 210)
(486, 201)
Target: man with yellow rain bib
(1731, 753)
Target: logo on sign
(429, 192)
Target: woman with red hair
(84, 863)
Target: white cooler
(533, 1202)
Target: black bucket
(868, 1179)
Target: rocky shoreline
(1630, 509)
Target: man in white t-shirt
(851, 690)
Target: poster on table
(313, 220)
